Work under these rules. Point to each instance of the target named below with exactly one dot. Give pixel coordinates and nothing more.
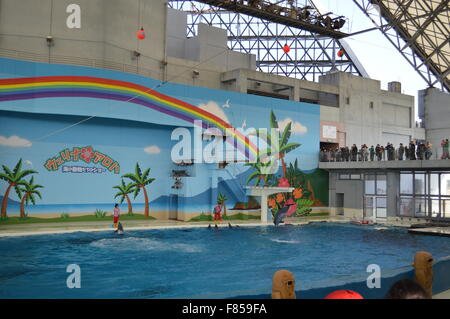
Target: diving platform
(264, 193)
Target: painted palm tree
(14, 179)
(259, 172)
(30, 190)
(124, 190)
(295, 175)
(279, 143)
(221, 198)
(139, 181)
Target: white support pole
(264, 208)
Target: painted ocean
(14, 208)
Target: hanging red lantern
(341, 53)
(140, 34)
(286, 48)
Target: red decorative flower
(271, 202)
(298, 193)
(87, 154)
(280, 198)
(284, 182)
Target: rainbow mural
(101, 88)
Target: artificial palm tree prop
(280, 147)
(14, 179)
(124, 190)
(221, 198)
(139, 181)
(30, 189)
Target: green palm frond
(286, 134)
(8, 172)
(136, 192)
(262, 134)
(273, 120)
(148, 181)
(252, 176)
(18, 167)
(18, 191)
(145, 174)
(133, 177)
(137, 171)
(38, 193)
(289, 148)
(5, 177)
(22, 174)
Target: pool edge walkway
(71, 227)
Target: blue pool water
(201, 263)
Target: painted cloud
(297, 127)
(214, 108)
(153, 149)
(14, 141)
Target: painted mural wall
(80, 133)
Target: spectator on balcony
(445, 149)
(354, 152)
(378, 152)
(428, 151)
(333, 155)
(421, 149)
(372, 153)
(347, 154)
(338, 155)
(360, 154)
(322, 155)
(412, 151)
(365, 153)
(390, 152)
(383, 152)
(401, 152)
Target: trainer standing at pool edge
(217, 211)
(116, 215)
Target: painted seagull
(288, 210)
(227, 104)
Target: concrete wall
(107, 33)
(371, 115)
(434, 110)
(353, 191)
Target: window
(434, 184)
(406, 207)
(425, 194)
(355, 176)
(344, 176)
(381, 185)
(419, 183)
(445, 184)
(406, 183)
(375, 184)
(445, 208)
(421, 207)
(434, 207)
(370, 184)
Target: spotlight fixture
(50, 40)
(195, 73)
